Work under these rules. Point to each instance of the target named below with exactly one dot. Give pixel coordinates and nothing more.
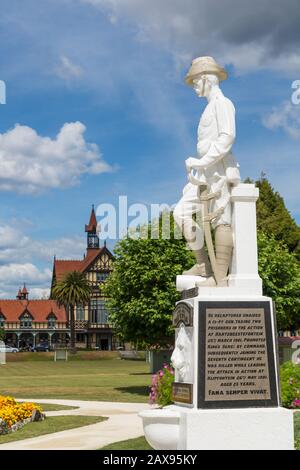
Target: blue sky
(97, 108)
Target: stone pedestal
(236, 429)
(244, 267)
(236, 390)
(243, 278)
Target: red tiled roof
(62, 267)
(39, 309)
(287, 340)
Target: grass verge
(54, 407)
(139, 443)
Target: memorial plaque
(236, 355)
(182, 392)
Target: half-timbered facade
(91, 320)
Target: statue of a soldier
(211, 175)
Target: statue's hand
(193, 164)
(188, 164)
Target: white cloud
(16, 245)
(67, 69)
(286, 117)
(18, 272)
(30, 163)
(13, 275)
(24, 259)
(238, 33)
(39, 293)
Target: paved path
(123, 423)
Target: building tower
(91, 230)
(23, 294)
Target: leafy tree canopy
(142, 287)
(280, 274)
(274, 218)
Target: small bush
(161, 387)
(290, 384)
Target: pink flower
(296, 403)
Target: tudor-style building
(29, 323)
(91, 321)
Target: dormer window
(52, 320)
(26, 320)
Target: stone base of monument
(236, 429)
(233, 398)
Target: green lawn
(139, 443)
(50, 425)
(102, 380)
(53, 407)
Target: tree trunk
(72, 329)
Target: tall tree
(2, 334)
(280, 274)
(142, 289)
(72, 290)
(274, 218)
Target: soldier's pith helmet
(204, 65)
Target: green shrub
(161, 387)
(290, 383)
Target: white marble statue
(215, 172)
(181, 358)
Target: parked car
(8, 349)
(41, 348)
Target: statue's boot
(202, 267)
(224, 245)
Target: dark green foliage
(280, 273)
(164, 387)
(290, 383)
(142, 287)
(274, 218)
(2, 334)
(72, 290)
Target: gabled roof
(62, 267)
(39, 309)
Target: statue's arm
(225, 115)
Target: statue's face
(200, 85)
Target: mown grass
(54, 407)
(101, 380)
(139, 443)
(49, 426)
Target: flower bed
(15, 415)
